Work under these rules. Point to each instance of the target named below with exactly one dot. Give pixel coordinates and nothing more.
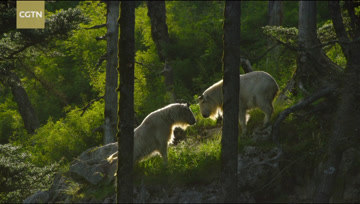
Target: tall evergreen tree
(111, 96)
(14, 42)
(231, 86)
(275, 15)
(314, 68)
(160, 35)
(345, 132)
(126, 103)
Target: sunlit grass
(190, 162)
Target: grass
(190, 162)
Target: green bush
(11, 124)
(19, 178)
(67, 137)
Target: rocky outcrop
(259, 172)
(93, 166)
(38, 197)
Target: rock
(352, 190)
(58, 188)
(111, 199)
(349, 177)
(190, 196)
(93, 166)
(256, 170)
(142, 195)
(262, 134)
(246, 197)
(38, 197)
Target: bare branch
(96, 27)
(300, 105)
(90, 103)
(335, 13)
(262, 55)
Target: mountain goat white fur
(257, 89)
(157, 130)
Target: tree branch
(339, 27)
(262, 55)
(90, 103)
(11, 55)
(96, 27)
(300, 105)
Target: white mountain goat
(157, 131)
(257, 89)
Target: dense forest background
(62, 71)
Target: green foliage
(67, 137)
(253, 17)
(283, 34)
(19, 178)
(10, 121)
(190, 162)
(201, 122)
(195, 58)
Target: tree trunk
(111, 96)
(160, 35)
(275, 13)
(346, 125)
(231, 86)
(126, 103)
(26, 110)
(275, 16)
(314, 68)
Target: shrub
(67, 137)
(19, 178)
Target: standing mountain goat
(257, 89)
(157, 130)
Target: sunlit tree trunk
(160, 35)
(111, 96)
(231, 86)
(346, 131)
(126, 103)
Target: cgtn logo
(30, 14)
